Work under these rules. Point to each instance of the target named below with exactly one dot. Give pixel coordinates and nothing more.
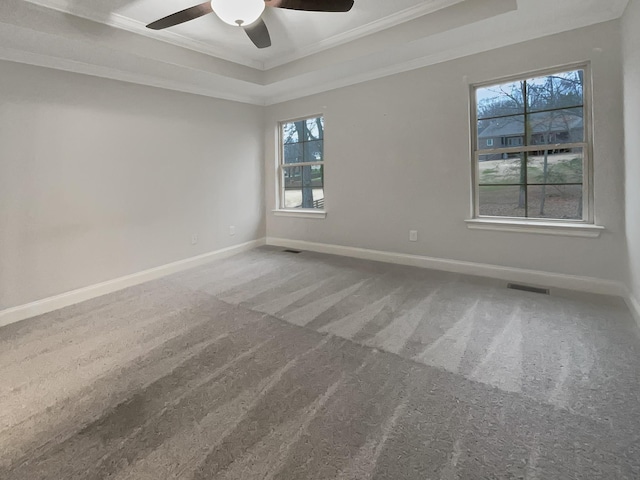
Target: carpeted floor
(272, 365)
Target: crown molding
(424, 52)
(74, 66)
(124, 23)
(134, 26)
(445, 55)
(389, 21)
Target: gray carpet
(271, 365)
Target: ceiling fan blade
(312, 5)
(259, 34)
(181, 16)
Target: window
(540, 167)
(301, 166)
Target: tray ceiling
(310, 51)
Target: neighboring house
(549, 128)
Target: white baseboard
(22, 312)
(551, 280)
(535, 277)
(634, 306)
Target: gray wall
(100, 179)
(398, 157)
(631, 49)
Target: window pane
(314, 128)
(556, 91)
(294, 198)
(293, 132)
(556, 166)
(502, 201)
(307, 176)
(499, 100)
(555, 201)
(304, 186)
(293, 153)
(501, 132)
(292, 177)
(500, 169)
(314, 151)
(303, 130)
(316, 174)
(558, 126)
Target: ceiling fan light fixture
(238, 12)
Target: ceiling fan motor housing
(238, 12)
(246, 14)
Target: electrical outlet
(413, 235)
(232, 230)
(194, 239)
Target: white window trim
(507, 224)
(300, 212)
(583, 228)
(280, 211)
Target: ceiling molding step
(289, 93)
(395, 41)
(42, 42)
(21, 44)
(66, 65)
(111, 73)
(134, 26)
(124, 23)
(33, 29)
(393, 20)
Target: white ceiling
(294, 33)
(310, 51)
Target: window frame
(588, 217)
(281, 210)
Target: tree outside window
(531, 154)
(302, 164)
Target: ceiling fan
(247, 14)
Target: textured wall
(631, 41)
(398, 158)
(100, 179)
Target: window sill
(299, 213)
(543, 228)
